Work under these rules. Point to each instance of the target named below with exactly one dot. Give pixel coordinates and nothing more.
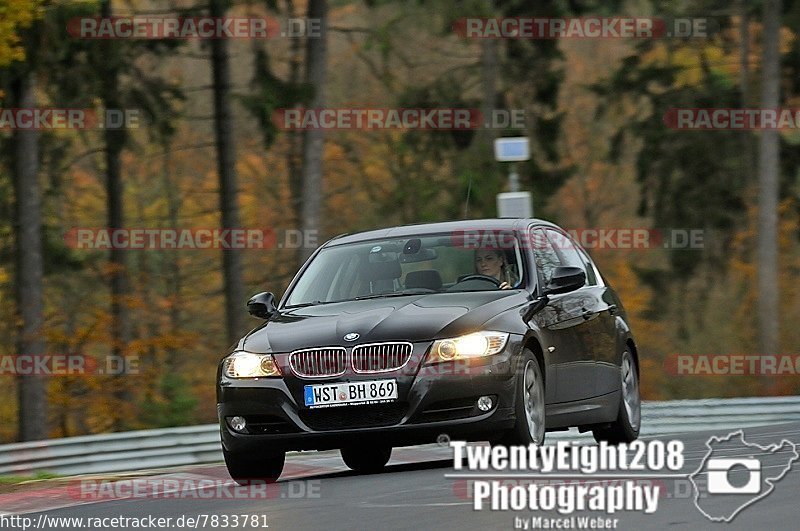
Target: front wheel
(626, 427)
(529, 405)
(366, 460)
(245, 470)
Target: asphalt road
(318, 492)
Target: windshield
(405, 266)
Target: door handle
(587, 315)
(612, 309)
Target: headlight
(248, 365)
(474, 345)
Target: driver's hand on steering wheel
(505, 285)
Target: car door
(601, 336)
(559, 320)
(593, 332)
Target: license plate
(342, 394)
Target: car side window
(591, 277)
(546, 257)
(571, 255)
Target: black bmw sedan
(495, 330)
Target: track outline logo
(770, 481)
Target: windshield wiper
(304, 304)
(418, 291)
(396, 294)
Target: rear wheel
(244, 470)
(626, 427)
(366, 460)
(530, 412)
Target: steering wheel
(476, 276)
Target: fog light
(447, 350)
(237, 423)
(485, 403)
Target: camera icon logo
(720, 471)
(730, 477)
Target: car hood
(410, 318)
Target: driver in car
(492, 263)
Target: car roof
(418, 229)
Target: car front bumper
(438, 400)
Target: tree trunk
(115, 215)
(174, 283)
(115, 139)
(313, 140)
(489, 61)
(29, 266)
(294, 156)
(228, 187)
(768, 170)
(744, 91)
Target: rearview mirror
(262, 305)
(565, 279)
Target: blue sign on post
(514, 203)
(513, 149)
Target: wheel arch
(532, 343)
(635, 353)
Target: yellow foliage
(15, 15)
(719, 54)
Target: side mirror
(262, 305)
(565, 279)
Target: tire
(529, 405)
(626, 428)
(245, 470)
(366, 460)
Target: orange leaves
(17, 15)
